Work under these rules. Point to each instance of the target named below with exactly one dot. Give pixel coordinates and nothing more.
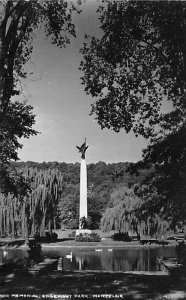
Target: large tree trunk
(25, 223)
(42, 227)
(12, 217)
(49, 226)
(54, 223)
(26, 230)
(7, 224)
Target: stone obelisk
(83, 191)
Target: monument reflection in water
(131, 259)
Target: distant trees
(137, 65)
(69, 206)
(100, 185)
(95, 209)
(48, 198)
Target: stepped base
(82, 231)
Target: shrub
(122, 236)
(72, 234)
(51, 237)
(73, 224)
(48, 238)
(88, 237)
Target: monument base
(82, 231)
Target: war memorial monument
(83, 192)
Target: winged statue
(82, 149)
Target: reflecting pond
(116, 259)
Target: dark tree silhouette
(19, 20)
(138, 63)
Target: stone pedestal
(82, 231)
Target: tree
(126, 214)
(17, 124)
(119, 214)
(95, 202)
(19, 20)
(139, 63)
(69, 205)
(35, 205)
(163, 192)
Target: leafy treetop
(139, 61)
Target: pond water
(119, 259)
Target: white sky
(62, 107)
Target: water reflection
(82, 263)
(118, 260)
(12, 254)
(60, 264)
(133, 259)
(130, 260)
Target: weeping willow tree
(124, 215)
(119, 214)
(36, 211)
(10, 215)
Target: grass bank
(65, 241)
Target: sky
(62, 107)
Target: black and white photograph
(93, 149)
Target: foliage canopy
(139, 61)
(138, 64)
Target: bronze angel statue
(82, 149)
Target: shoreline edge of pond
(92, 245)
